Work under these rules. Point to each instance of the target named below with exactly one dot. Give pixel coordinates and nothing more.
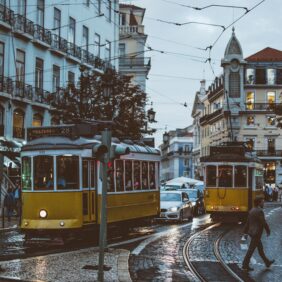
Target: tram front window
(119, 176)
(26, 173)
(145, 175)
(152, 179)
(211, 176)
(67, 172)
(43, 173)
(225, 176)
(240, 176)
(128, 175)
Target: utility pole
(106, 141)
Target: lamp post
(106, 141)
(165, 137)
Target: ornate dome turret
(233, 48)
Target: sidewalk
(67, 267)
(14, 223)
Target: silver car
(175, 205)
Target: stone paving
(67, 267)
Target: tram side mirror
(99, 151)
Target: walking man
(254, 227)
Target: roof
(233, 47)
(266, 55)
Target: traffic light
(118, 150)
(99, 151)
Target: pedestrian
(266, 192)
(254, 228)
(9, 203)
(17, 197)
(275, 193)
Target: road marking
(154, 237)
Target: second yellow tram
(233, 178)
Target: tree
(124, 104)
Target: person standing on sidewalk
(254, 228)
(17, 197)
(9, 203)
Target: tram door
(89, 192)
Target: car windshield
(170, 197)
(193, 194)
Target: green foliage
(125, 105)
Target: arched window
(37, 120)
(18, 124)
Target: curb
(123, 268)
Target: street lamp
(151, 115)
(165, 137)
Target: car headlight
(194, 204)
(174, 209)
(43, 213)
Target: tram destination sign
(52, 131)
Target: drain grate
(96, 267)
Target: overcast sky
(169, 86)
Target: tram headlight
(173, 209)
(43, 213)
(62, 224)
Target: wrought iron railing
(270, 152)
(23, 24)
(6, 15)
(42, 34)
(135, 62)
(260, 106)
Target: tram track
(202, 255)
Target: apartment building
(133, 60)
(176, 154)
(43, 44)
(239, 106)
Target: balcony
(23, 27)
(135, 62)
(59, 45)
(74, 51)
(269, 153)
(40, 95)
(19, 132)
(260, 106)
(208, 117)
(131, 29)
(6, 17)
(42, 35)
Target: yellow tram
(61, 187)
(233, 178)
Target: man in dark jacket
(254, 227)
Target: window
(271, 121)
(250, 120)
(20, 66)
(128, 176)
(270, 97)
(279, 76)
(39, 73)
(271, 145)
(56, 78)
(145, 176)
(250, 142)
(1, 62)
(40, 12)
(122, 50)
(26, 173)
(71, 77)
(211, 175)
(85, 174)
(109, 8)
(271, 73)
(71, 34)
(21, 7)
(137, 168)
(240, 176)
(260, 76)
(85, 38)
(43, 172)
(186, 162)
(67, 172)
(18, 124)
(37, 120)
(225, 176)
(250, 76)
(250, 100)
(97, 40)
(152, 175)
(57, 22)
(119, 176)
(108, 51)
(122, 19)
(234, 85)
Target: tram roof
(80, 143)
(230, 157)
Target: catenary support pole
(106, 140)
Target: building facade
(133, 61)
(239, 106)
(176, 154)
(42, 45)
